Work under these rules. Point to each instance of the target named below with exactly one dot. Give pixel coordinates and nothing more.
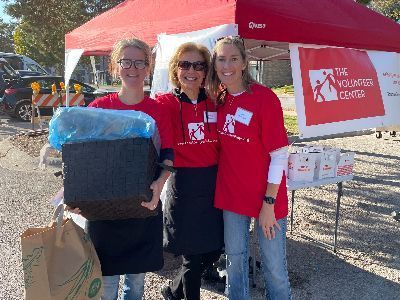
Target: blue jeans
(273, 256)
(133, 288)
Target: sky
(6, 18)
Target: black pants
(186, 285)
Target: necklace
(233, 96)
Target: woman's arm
(158, 185)
(277, 168)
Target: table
(295, 185)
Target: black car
(7, 73)
(17, 98)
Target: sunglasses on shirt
(233, 38)
(197, 65)
(127, 63)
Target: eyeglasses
(126, 63)
(197, 65)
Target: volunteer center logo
(338, 85)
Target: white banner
(167, 45)
(342, 90)
(72, 57)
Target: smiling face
(132, 77)
(190, 79)
(229, 65)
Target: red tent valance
(325, 22)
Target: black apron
(129, 246)
(192, 225)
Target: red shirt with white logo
(148, 106)
(195, 129)
(250, 126)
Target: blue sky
(6, 18)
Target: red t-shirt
(250, 126)
(195, 136)
(148, 106)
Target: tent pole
(93, 63)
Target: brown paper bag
(60, 262)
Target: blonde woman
(251, 179)
(132, 247)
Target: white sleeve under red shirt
(150, 107)
(194, 127)
(250, 126)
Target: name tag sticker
(212, 117)
(243, 116)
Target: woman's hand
(267, 221)
(156, 187)
(75, 210)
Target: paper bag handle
(58, 218)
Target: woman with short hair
(193, 227)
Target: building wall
(274, 73)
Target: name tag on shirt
(212, 117)
(243, 116)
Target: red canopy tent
(325, 22)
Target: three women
(251, 154)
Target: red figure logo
(196, 131)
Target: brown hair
(213, 83)
(184, 48)
(125, 43)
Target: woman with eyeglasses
(132, 247)
(251, 179)
(193, 227)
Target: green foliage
(365, 2)
(6, 37)
(43, 25)
(389, 8)
(291, 124)
(286, 89)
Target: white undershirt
(278, 165)
(237, 94)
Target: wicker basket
(108, 180)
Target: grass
(284, 90)
(291, 124)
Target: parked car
(8, 73)
(21, 62)
(17, 98)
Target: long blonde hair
(213, 83)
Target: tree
(6, 37)
(43, 25)
(388, 8)
(365, 2)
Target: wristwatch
(269, 199)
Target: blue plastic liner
(78, 124)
